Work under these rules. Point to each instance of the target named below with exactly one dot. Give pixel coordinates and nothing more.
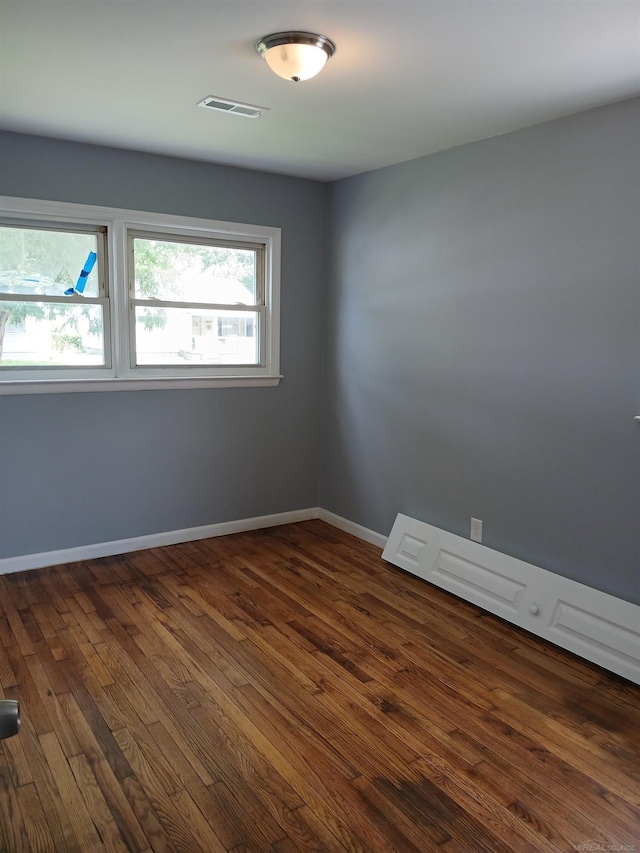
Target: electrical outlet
(476, 530)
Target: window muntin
(53, 297)
(193, 301)
(249, 326)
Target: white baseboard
(154, 540)
(353, 528)
(25, 562)
(599, 627)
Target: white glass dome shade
(295, 56)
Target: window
(101, 298)
(191, 299)
(53, 300)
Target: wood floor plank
(15, 762)
(7, 675)
(286, 690)
(106, 827)
(49, 700)
(56, 816)
(183, 822)
(132, 663)
(200, 828)
(35, 824)
(251, 762)
(110, 786)
(26, 691)
(306, 832)
(13, 830)
(154, 831)
(69, 793)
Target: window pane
(50, 334)
(40, 262)
(186, 272)
(191, 336)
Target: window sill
(67, 386)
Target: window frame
(102, 300)
(119, 372)
(180, 236)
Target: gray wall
(482, 349)
(483, 346)
(85, 468)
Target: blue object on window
(84, 275)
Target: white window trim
(120, 376)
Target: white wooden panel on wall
(590, 623)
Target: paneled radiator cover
(592, 624)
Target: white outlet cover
(476, 530)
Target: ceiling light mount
(295, 55)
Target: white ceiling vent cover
(234, 107)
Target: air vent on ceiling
(233, 107)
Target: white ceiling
(409, 77)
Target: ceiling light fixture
(295, 55)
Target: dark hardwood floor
(286, 690)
